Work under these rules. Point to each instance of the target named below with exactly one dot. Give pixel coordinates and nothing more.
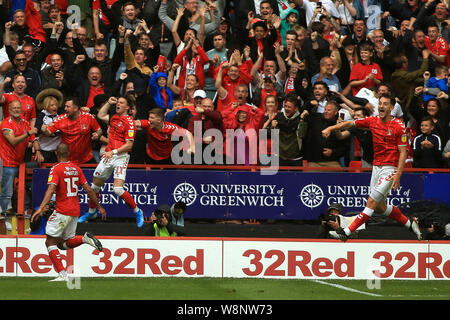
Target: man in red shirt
(121, 135)
(64, 180)
(16, 134)
(437, 45)
(390, 152)
(159, 137)
(19, 85)
(77, 128)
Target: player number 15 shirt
(387, 137)
(67, 177)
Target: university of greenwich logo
(185, 192)
(311, 195)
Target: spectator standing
(48, 102)
(16, 134)
(292, 125)
(321, 152)
(427, 146)
(365, 74)
(77, 128)
(32, 76)
(404, 82)
(19, 86)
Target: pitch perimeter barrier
(26, 256)
(247, 194)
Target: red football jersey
(121, 129)
(77, 135)
(360, 71)
(13, 156)
(28, 105)
(67, 177)
(387, 137)
(159, 143)
(440, 48)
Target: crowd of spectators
(237, 66)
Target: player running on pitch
(390, 152)
(121, 133)
(64, 179)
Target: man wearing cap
(334, 219)
(33, 78)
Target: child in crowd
(366, 74)
(427, 146)
(438, 83)
(162, 95)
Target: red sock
(397, 215)
(126, 196)
(74, 242)
(55, 257)
(91, 203)
(359, 220)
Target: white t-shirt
(374, 101)
(309, 7)
(345, 14)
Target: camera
(319, 4)
(329, 217)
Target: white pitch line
(347, 288)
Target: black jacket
(315, 142)
(424, 157)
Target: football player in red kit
(64, 180)
(121, 133)
(390, 151)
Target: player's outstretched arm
(339, 126)
(47, 197)
(92, 196)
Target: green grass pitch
(27, 288)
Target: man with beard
(77, 128)
(290, 122)
(390, 152)
(53, 75)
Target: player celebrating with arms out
(64, 179)
(390, 152)
(121, 133)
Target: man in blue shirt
(326, 75)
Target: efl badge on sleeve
(49, 179)
(404, 138)
(130, 133)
